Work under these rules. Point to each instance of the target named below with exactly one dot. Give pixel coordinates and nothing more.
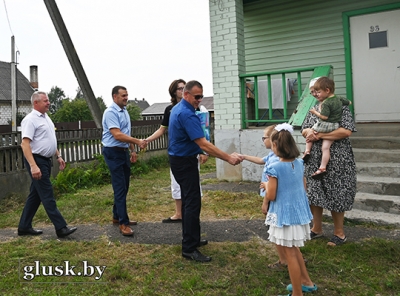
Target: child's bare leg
(281, 254)
(294, 269)
(326, 153)
(308, 147)
(305, 278)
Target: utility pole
(74, 61)
(13, 87)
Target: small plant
(97, 173)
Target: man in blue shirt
(186, 141)
(119, 152)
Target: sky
(142, 45)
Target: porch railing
(283, 90)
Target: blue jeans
(186, 173)
(41, 191)
(120, 168)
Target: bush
(97, 173)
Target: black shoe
(63, 232)
(196, 256)
(202, 242)
(29, 231)
(169, 220)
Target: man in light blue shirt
(119, 152)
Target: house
(359, 39)
(142, 104)
(24, 92)
(156, 111)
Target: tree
(76, 110)
(134, 112)
(56, 98)
(71, 111)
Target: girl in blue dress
(289, 213)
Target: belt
(119, 148)
(41, 156)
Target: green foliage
(56, 98)
(85, 176)
(134, 111)
(65, 110)
(97, 173)
(71, 111)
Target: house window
(378, 39)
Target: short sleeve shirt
(270, 158)
(167, 113)
(332, 108)
(184, 128)
(40, 130)
(115, 117)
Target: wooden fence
(74, 145)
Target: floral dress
(337, 190)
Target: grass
(368, 267)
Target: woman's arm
(338, 134)
(158, 133)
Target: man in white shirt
(39, 144)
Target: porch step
(368, 216)
(377, 129)
(378, 185)
(377, 203)
(376, 155)
(378, 142)
(378, 169)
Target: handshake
(235, 158)
(142, 143)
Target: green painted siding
(294, 34)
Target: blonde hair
(269, 130)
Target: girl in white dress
(289, 214)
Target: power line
(9, 25)
(8, 19)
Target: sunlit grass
(367, 267)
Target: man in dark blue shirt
(186, 141)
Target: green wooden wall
(292, 34)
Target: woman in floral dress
(335, 191)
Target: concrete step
(377, 203)
(368, 216)
(378, 185)
(378, 142)
(376, 155)
(378, 169)
(377, 129)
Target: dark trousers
(41, 191)
(120, 168)
(186, 173)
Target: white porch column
(227, 40)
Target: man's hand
(61, 163)
(203, 158)
(133, 157)
(36, 173)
